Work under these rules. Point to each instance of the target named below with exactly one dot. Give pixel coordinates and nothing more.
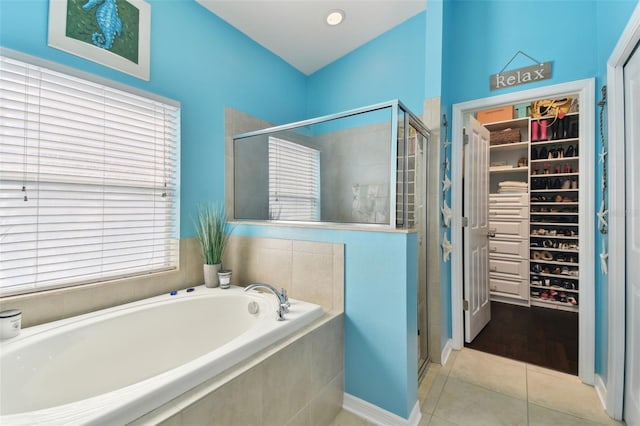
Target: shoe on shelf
(535, 129)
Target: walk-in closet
(534, 206)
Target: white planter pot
(211, 275)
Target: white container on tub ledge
(10, 321)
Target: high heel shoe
(569, 152)
(543, 153)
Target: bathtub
(114, 365)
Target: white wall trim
(586, 90)
(601, 390)
(446, 352)
(377, 415)
(617, 252)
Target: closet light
(335, 17)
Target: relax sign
(520, 76)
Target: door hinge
(465, 221)
(465, 305)
(465, 139)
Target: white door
(632, 155)
(476, 254)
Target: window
(88, 181)
(294, 181)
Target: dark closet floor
(544, 337)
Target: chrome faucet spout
(283, 299)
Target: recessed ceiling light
(335, 17)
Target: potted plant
(212, 232)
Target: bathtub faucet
(283, 299)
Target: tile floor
(476, 388)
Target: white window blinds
(88, 181)
(294, 181)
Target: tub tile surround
(51, 305)
(308, 270)
(291, 383)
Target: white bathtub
(114, 365)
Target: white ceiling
(296, 30)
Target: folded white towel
(513, 183)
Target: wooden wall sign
(519, 76)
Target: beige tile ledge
(54, 304)
(326, 225)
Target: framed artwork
(114, 33)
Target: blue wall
(612, 17)
(389, 67)
(380, 268)
(380, 311)
(202, 62)
(196, 59)
(578, 36)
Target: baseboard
(601, 390)
(446, 352)
(377, 415)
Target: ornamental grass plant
(212, 231)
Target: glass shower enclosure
(359, 167)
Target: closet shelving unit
(554, 207)
(549, 225)
(509, 216)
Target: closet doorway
(540, 206)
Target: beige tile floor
(476, 388)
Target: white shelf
(551, 160)
(555, 249)
(515, 146)
(542, 303)
(514, 123)
(556, 288)
(554, 141)
(508, 169)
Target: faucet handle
(285, 300)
